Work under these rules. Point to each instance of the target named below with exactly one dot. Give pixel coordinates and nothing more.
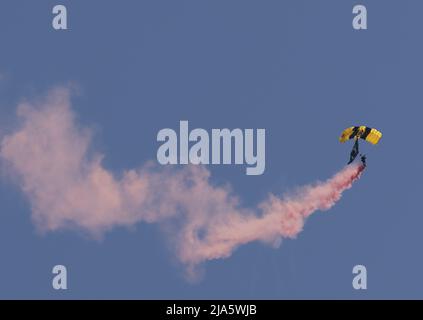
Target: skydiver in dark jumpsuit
(363, 159)
(354, 152)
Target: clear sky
(295, 68)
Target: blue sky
(295, 68)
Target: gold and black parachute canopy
(366, 133)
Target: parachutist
(354, 152)
(363, 159)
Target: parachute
(366, 133)
(360, 132)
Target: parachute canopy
(366, 133)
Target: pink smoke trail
(279, 217)
(68, 187)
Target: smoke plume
(68, 187)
